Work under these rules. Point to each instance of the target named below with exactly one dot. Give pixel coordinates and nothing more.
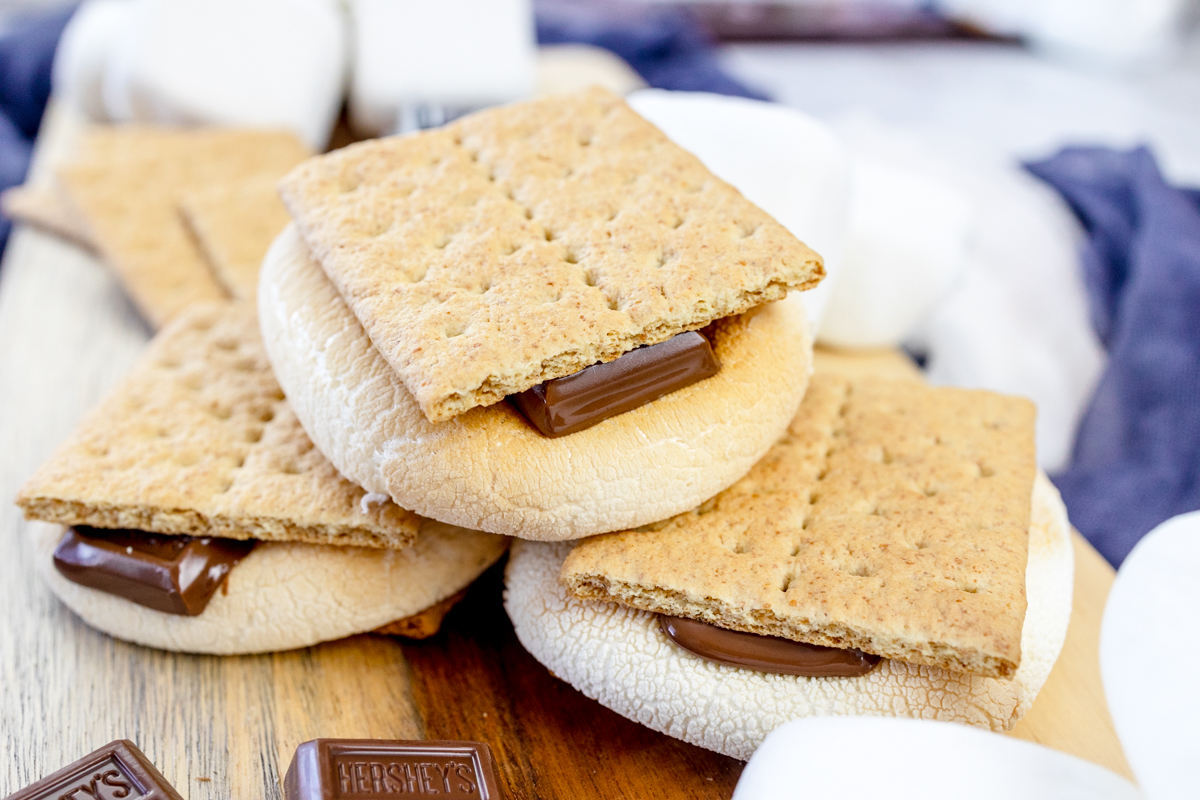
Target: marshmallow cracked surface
(619, 657)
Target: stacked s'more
(189, 511)
(550, 321)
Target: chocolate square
(117, 771)
(173, 574)
(366, 769)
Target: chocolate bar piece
(592, 395)
(765, 653)
(117, 771)
(365, 769)
(175, 574)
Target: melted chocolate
(117, 771)
(370, 769)
(175, 574)
(765, 653)
(571, 404)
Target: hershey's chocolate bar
(175, 574)
(567, 405)
(366, 769)
(117, 771)
(765, 653)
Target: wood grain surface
(227, 727)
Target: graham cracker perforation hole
(969, 588)
(862, 569)
(571, 256)
(814, 498)
(613, 215)
(267, 415)
(456, 329)
(922, 544)
(187, 459)
(613, 304)
(254, 435)
(291, 468)
(239, 462)
(706, 506)
(748, 230)
(786, 583)
(221, 412)
(678, 223)
(984, 470)
(278, 395)
(442, 242)
(511, 248)
(226, 344)
(226, 485)
(550, 234)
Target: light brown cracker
(425, 623)
(527, 242)
(234, 223)
(44, 207)
(126, 183)
(892, 518)
(198, 439)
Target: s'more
(546, 320)
(191, 512)
(896, 552)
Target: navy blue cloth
(1136, 460)
(668, 47)
(27, 47)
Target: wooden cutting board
(227, 727)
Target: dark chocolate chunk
(765, 653)
(365, 769)
(117, 771)
(570, 404)
(175, 574)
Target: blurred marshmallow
(254, 63)
(1109, 32)
(916, 759)
(1156, 710)
(456, 54)
(785, 162)
(906, 243)
(78, 72)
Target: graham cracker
(893, 518)
(126, 182)
(234, 224)
(423, 624)
(44, 207)
(198, 439)
(527, 242)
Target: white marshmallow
(78, 72)
(1155, 703)
(911, 759)
(906, 243)
(256, 63)
(786, 162)
(459, 54)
